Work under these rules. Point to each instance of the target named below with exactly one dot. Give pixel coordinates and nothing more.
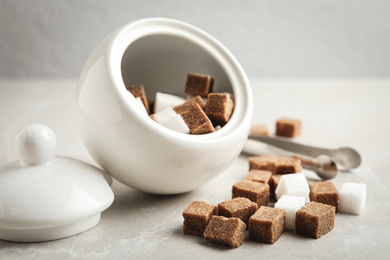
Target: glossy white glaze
(129, 145)
(36, 144)
(43, 197)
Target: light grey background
(271, 38)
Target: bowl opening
(162, 62)
(159, 53)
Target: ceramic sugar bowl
(159, 53)
(45, 197)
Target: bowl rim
(129, 33)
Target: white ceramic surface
(44, 197)
(130, 146)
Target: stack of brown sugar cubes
(249, 207)
(307, 208)
(201, 113)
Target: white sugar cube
(177, 123)
(168, 118)
(352, 198)
(163, 100)
(293, 184)
(141, 105)
(290, 204)
(165, 115)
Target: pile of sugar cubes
(307, 208)
(201, 113)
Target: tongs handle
(344, 156)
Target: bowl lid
(45, 197)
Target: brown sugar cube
(259, 176)
(260, 130)
(180, 109)
(267, 224)
(274, 183)
(288, 165)
(225, 231)
(255, 191)
(241, 208)
(196, 120)
(262, 162)
(324, 192)
(219, 108)
(196, 217)
(139, 91)
(288, 127)
(315, 219)
(198, 84)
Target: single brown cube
(267, 224)
(274, 183)
(260, 130)
(241, 208)
(198, 84)
(315, 219)
(196, 120)
(139, 91)
(225, 231)
(288, 165)
(255, 191)
(288, 127)
(180, 109)
(219, 108)
(259, 176)
(262, 162)
(196, 217)
(324, 192)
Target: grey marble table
(335, 113)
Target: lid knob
(36, 144)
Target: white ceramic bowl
(130, 146)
